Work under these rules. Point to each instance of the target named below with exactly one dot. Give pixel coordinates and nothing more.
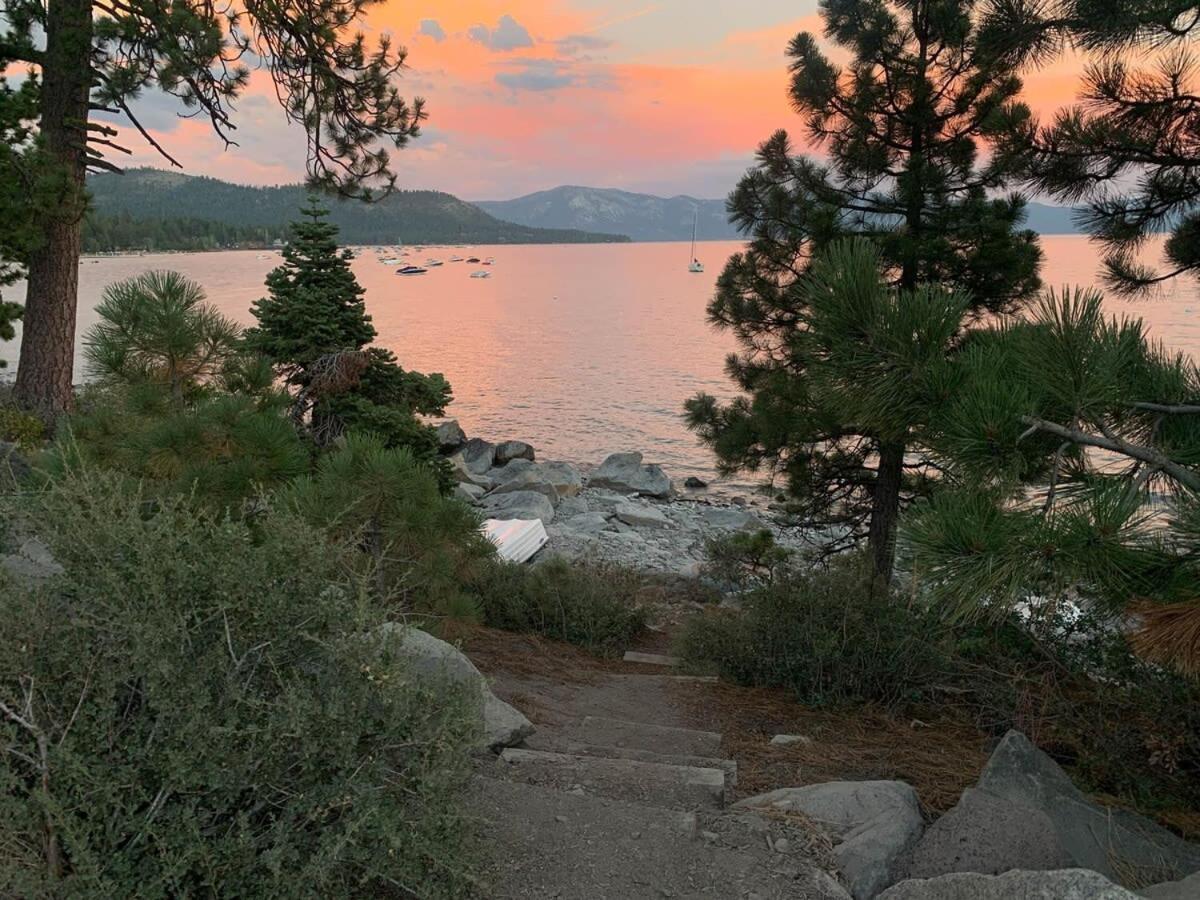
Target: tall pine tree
(314, 328)
(902, 124)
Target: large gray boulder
(873, 824)
(1068, 884)
(526, 505)
(642, 515)
(624, 472)
(503, 726)
(1184, 889)
(728, 518)
(450, 436)
(990, 835)
(464, 475)
(554, 479)
(1113, 842)
(32, 561)
(507, 451)
(478, 455)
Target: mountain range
(644, 217)
(406, 217)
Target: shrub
(192, 710)
(824, 635)
(589, 605)
(21, 428)
(746, 559)
(417, 545)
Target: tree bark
(44, 373)
(885, 511)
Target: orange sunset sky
(665, 97)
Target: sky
(666, 97)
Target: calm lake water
(581, 350)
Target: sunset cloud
(509, 34)
(431, 28)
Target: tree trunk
(885, 511)
(44, 374)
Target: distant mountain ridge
(408, 217)
(645, 217)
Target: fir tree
(314, 328)
(902, 124)
(1130, 148)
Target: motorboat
(411, 270)
(481, 274)
(473, 259)
(434, 263)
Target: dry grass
(938, 755)
(1170, 635)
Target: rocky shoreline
(622, 510)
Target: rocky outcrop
(450, 436)
(519, 505)
(478, 455)
(873, 824)
(502, 726)
(624, 473)
(1070, 884)
(507, 451)
(1113, 842)
(641, 515)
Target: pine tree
(1070, 449)
(18, 183)
(1129, 149)
(314, 328)
(94, 58)
(902, 124)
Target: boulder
(464, 475)
(527, 480)
(526, 505)
(989, 835)
(479, 455)
(1108, 841)
(873, 824)
(728, 519)
(694, 484)
(1186, 889)
(468, 493)
(1065, 884)
(503, 726)
(641, 516)
(624, 473)
(587, 525)
(32, 561)
(507, 451)
(554, 479)
(450, 436)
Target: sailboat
(695, 266)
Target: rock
(468, 493)
(526, 505)
(588, 524)
(527, 480)
(554, 479)
(989, 835)
(827, 887)
(694, 483)
(1187, 889)
(479, 455)
(624, 472)
(464, 475)
(569, 507)
(32, 561)
(430, 657)
(450, 436)
(640, 516)
(564, 476)
(1108, 841)
(507, 451)
(728, 519)
(874, 824)
(785, 740)
(1065, 884)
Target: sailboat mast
(695, 216)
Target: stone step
(542, 843)
(659, 784)
(605, 732)
(553, 740)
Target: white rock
(784, 740)
(33, 560)
(640, 516)
(1063, 884)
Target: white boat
(390, 261)
(434, 263)
(481, 274)
(456, 259)
(695, 266)
(411, 270)
(516, 540)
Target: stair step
(685, 787)
(650, 659)
(606, 732)
(551, 739)
(543, 843)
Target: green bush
(589, 605)
(192, 710)
(746, 559)
(824, 635)
(21, 428)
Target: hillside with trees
(407, 217)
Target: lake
(581, 350)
